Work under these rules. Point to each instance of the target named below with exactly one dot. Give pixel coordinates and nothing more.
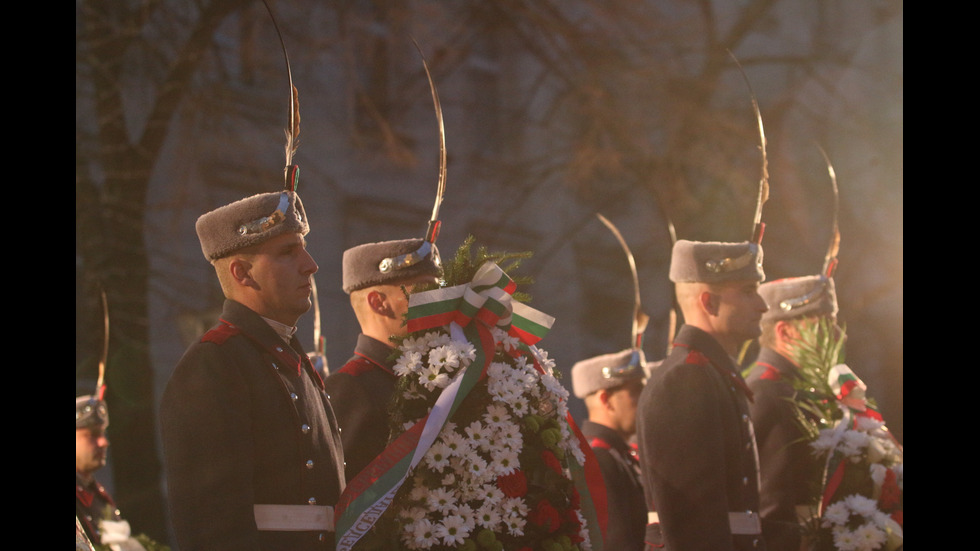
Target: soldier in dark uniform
(251, 445)
(790, 474)
(95, 510)
(610, 384)
(696, 443)
(361, 390)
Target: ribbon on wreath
(486, 299)
(851, 395)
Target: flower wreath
(487, 455)
(861, 502)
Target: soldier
(361, 389)
(252, 449)
(95, 510)
(610, 384)
(696, 444)
(789, 473)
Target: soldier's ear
(378, 302)
(241, 271)
(709, 302)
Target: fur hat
(797, 297)
(607, 371)
(715, 262)
(250, 221)
(90, 412)
(378, 263)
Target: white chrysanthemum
(878, 472)
(853, 443)
(837, 513)
(452, 530)
(448, 481)
(515, 525)
(520, 406)
(412, 514)
(505, 462)
(478, 435)
(465, 350)
(844, 540)
(514, 506)
(826, 441)
(586, 544)
(869, 537)
(408, 363)
(422, 533)
(432, 379)
(444, 357)
(478, 469)
(491, 494)
(487, 516)
(510, 437)
(861, 505)
(869, 425)
(496, 416)
(442, 500)
(438, 456)
(458, 444)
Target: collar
(375, 351)
(591, 429)
(691, 337)
(769, 357)
(284, 331)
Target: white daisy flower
(438, 456)
(496, 416)
(442, 500)
(422, 533)
(452, 530)
(433, 379)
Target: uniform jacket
(787, 468)
(245, 420)
(92, 503)
(697, 449)
(360, 392)
(624, 493)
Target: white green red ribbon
(486, 299)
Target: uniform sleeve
(682, 455)
(783, 461)
(620, 535)
(359, 429)
(205, 419)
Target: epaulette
(600, 443)
(220, 334)
(771, 374)
(357, 367)
(697, 358)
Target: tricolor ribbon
(851, 395)
(486, 299)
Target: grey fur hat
(250, 221)
(797, 297)
(90, 412)
(607, 371)
(715, 262)
(362, 265)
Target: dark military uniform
(360, 392)
(246, 421)
(624, 493)
(92, 504)
(787, 468)
(697, 450)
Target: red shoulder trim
(599, 443)
(695, 357)
(357, 367)
(220, 334)
(771, 373)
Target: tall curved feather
(763, 196)
(441, 188)
(100, 383)
(292, 126)
(830, 260)
(640, 319)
